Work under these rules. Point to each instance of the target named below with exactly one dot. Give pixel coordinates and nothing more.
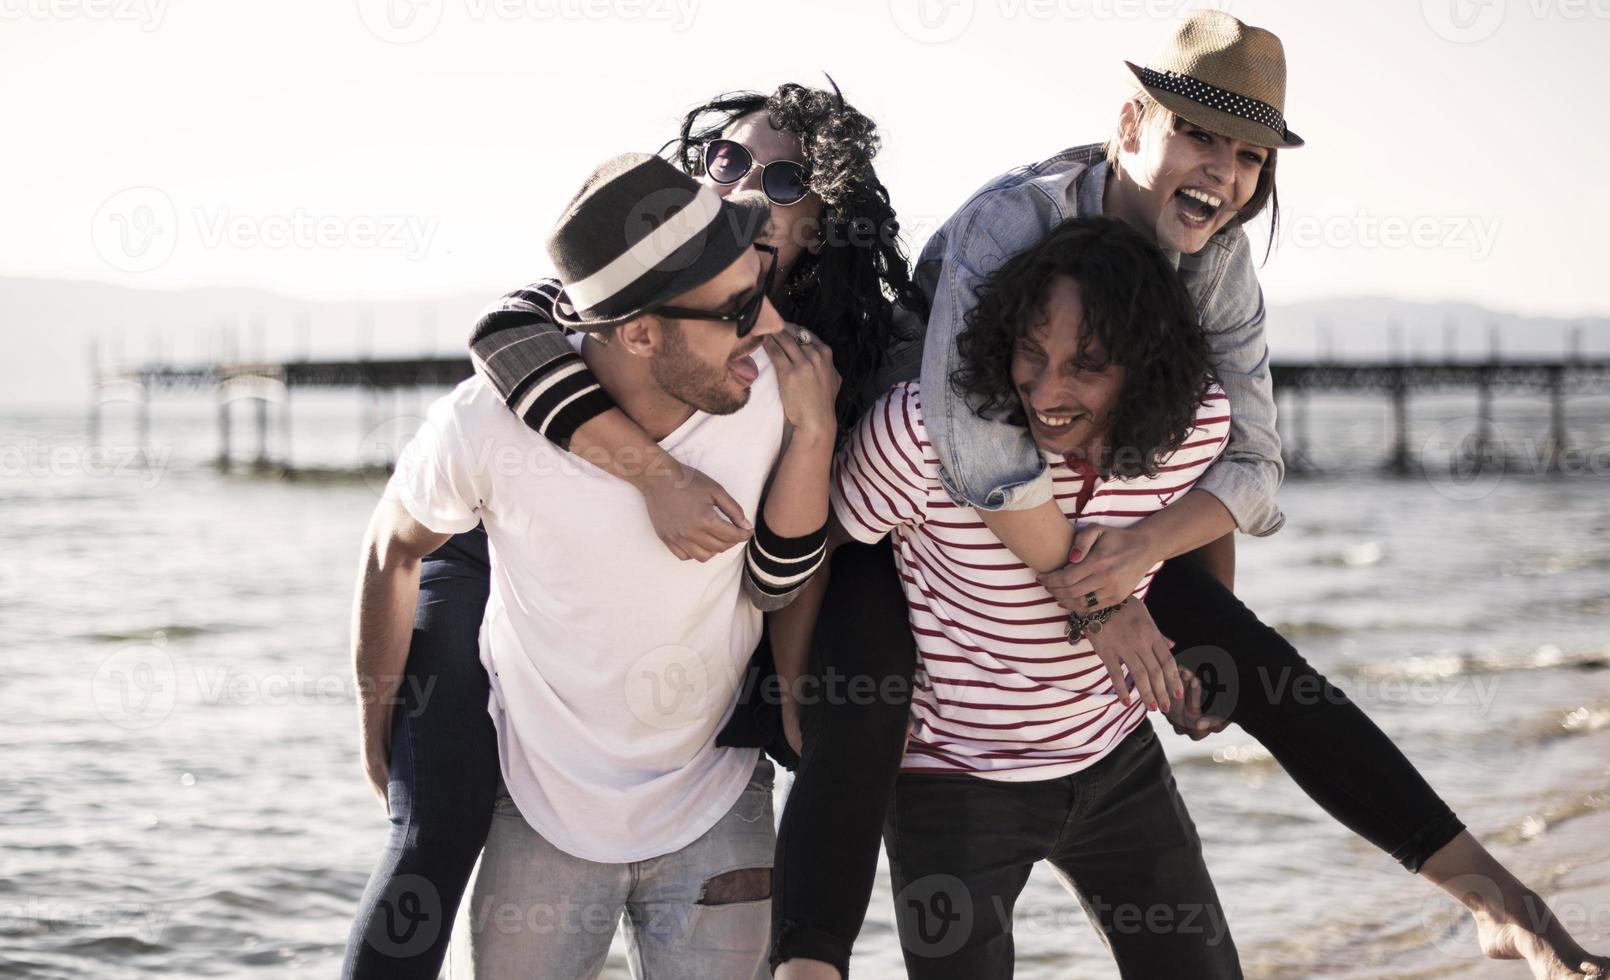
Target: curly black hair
(849, 290)
(1136, 314)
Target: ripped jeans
(699, 913)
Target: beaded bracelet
(1080, 627)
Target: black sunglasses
(728, 161)
(745, 315)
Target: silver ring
(804, 336)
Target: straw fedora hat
(1224, 76)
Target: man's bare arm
(382, 623)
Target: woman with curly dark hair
(841, 275)
(847, 277)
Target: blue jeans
(444, 776)
(698, 913)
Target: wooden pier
(1395, 381)
(258, 385)
(262, 385)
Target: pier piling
(1399, 460)
(1557, 443)
(223, 429)
(1484, 416)
(261, 462)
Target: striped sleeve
(884, 475)
(776, 568)
(530, 363)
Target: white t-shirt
(612, 664)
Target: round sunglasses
(728, 161)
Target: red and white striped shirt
(999, 693)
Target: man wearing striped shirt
(1026, 743)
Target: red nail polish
(1076, 555)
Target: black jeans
(1118, 834)
(444, 776)
(827, 843)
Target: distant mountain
(48, 326)
(1358, 327)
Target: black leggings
(827, 846)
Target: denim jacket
(993, 464)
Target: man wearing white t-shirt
(612, 664)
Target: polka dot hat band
(1224, 76)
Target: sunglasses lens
(784, 182)
(750, 316)
(726, 162)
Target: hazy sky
(349, 148)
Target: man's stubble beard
(680, 374)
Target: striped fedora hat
(1224, 76)
(640, 232)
